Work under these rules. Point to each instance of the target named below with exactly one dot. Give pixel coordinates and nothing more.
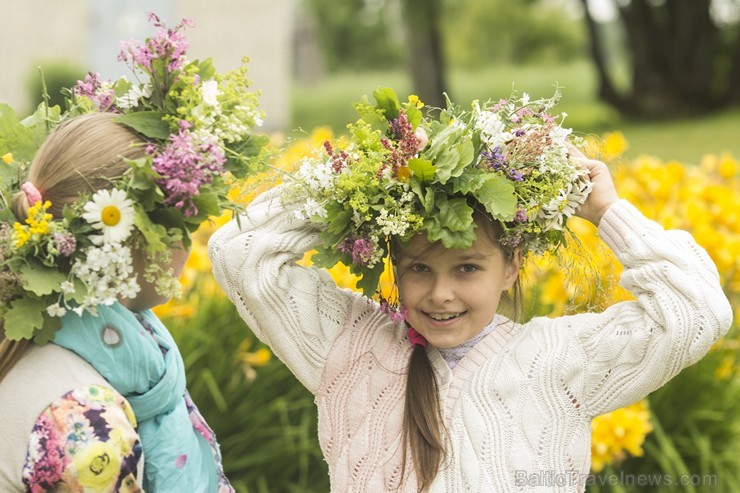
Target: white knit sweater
(518, 406)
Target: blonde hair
(81, 155)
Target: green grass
(330, 103)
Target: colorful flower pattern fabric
(85, 441)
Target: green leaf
(147, 123)
(423, 169)
(48, 329)
(414, 115)
(387, 101)
(24, 317)
(455, 214)
(15, 137)
(370, 279)
(448, 238)
(465, 155)
(497, 196)
(339, 221)
(468, 183)
(452, 223)
(326, 257)
(208, 204)
(152, 232)
(41, 280)
(450, 150)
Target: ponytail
(422, 419)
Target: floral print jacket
(85, 441)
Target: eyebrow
(472, 256)
(462, 258)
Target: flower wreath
(199, 128)
(401, 172)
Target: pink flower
(168, 45)
(361, 249)
(422, 138)
(92, 88)
(398, 314)
(185, 165)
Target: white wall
(86, 33)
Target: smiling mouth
(443, 317)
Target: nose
(442, 290)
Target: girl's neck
(453, 355)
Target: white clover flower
(318, 175)
(106, 272)
(210, 92)
(492, 129)
(130, 288)
(111, 212)
(55, 310)
(560, 135)
(313, 208)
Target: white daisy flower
(111, 212)
(132, 98)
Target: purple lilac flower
(66, 243)
(166, 44)
(521, 216)
(185, 165)
(494, 158)
(92, 88)
(361, 249)
(520, 132)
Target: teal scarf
(147, 369)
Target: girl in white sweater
(440, 393)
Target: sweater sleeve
(680, 310)
(297, 311)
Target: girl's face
(451, 295)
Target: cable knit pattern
(518, 406)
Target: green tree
(682, 58)
(356, 34)
(495, 31)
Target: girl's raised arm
(679, 311)
(297, 311)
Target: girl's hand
(603, 194)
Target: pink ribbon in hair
(416, 339)
(31, 192)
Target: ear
(513, 267)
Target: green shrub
(57, 75)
